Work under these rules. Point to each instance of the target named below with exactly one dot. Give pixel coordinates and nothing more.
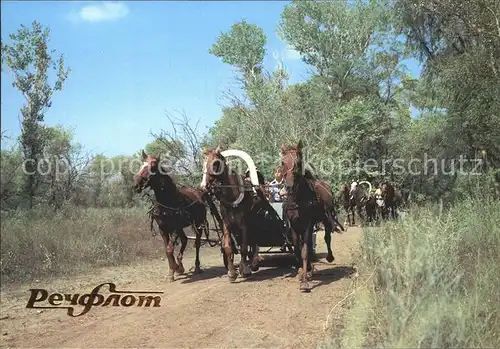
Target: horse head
(216, 172)
(343, 192)
(148, 170)
(291, 163)
(387, 191)
(214, 167)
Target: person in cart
(276, 185)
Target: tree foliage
(360, 113)
(30, 60)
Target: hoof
(170, 278)
(245, 270)
(330, 258)
(245, 273)
(180, 270)
(197, 270)
(255, 268)
(305, 287)
(231, 276)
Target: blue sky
(133, 61)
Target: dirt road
(206, 311)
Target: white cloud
(107, 11)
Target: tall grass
(38, 244)
(430, 281)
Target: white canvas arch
(369, 185)
(254, 178)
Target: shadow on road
(272, 267)
(327, 276)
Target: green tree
(30, 60)
(242, 47)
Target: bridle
(146, 180)
(290, 170)
(214, 181)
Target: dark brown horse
(309, 201)
(353, 200)
(371, 208)
(392, 199)
(237, 203)
(174, 208)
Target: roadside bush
(38, 244)
(430, 281)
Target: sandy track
(206, 311)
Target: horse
(372, 204)
(371, 208)
(308, 202)
(392, 198)
(174, 209)
(237, 205)
(353, 200)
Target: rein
(292, 190)
(155, 204)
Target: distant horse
(392, 199)
(353, 200)
(371, 208)
(237, 204)
(309, 201)
(174, 208)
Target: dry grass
(45, 244)
(436, 281)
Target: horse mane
(165, 180)
(309, 175)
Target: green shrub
(431, 281)
(38, 244)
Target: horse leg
(304, 278)
(244, 268)
(169, 247)
(255, 258)
(198, 230)
(310, 253)
(180, 269)
(328, 238)
(346, 222)
(231, 270)
(360, 214)
(394, 211)
(296, 249)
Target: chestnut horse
(309, 201)
(392, 198)
(236, 206)
(353, 201)
(175, 208)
